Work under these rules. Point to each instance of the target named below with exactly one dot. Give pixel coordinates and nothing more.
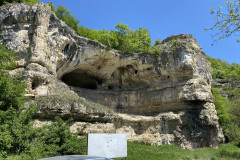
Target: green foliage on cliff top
(224, 70)
(123, 38)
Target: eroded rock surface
(164, 99)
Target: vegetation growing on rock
(224, 106)
(224, 70)
(227, 97)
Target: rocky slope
(163, 99)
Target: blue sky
(162, 18)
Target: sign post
(107, 145)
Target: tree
(56, 139)
(11, 90)
(13, 122)
(65, 15)
(123, 28)
(140, 41)
(6, 59)
(132, 41)
(227, 22)
(123, 38)
(231, 130)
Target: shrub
(155, 51)
(157, 42)
(58, 140)
(229, 151)
(17, 134)
(231, 130)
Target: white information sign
(107, 145)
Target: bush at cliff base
(17, 135)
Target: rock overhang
(177, 75)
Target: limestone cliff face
(163, 99)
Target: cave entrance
(80, 79)
(36, 83)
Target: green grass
(139, 151)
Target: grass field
(139, 151)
